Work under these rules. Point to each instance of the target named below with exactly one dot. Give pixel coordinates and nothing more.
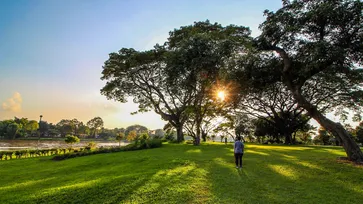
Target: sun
(221, 95)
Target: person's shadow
(241, 172)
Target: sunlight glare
(221, 95)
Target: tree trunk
(337, 141)
(179, 133)
(197, 138)
(288, 137)
(351, 148)
(204, 136)
(294, 139)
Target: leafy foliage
(132, 136)
(95, 124)
(91, 145)
(18, 128)
(138, 128)
(175, 79)
(120, 137)
(147, 144)
(70, 139)
(323, 137)
(317, 42)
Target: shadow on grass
(277, 175)
(111, 179)
(186, 174)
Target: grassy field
(186, 174)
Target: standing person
(225, 140)
(238, 152)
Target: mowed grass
(187, 174)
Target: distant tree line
(18, 128)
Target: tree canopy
(95, 124)
(307, 61)
(174, 78)
(317, 40)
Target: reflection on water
(6, 145)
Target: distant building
(158, 133)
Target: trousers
(238, 158)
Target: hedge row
(147, 144)
(19, 154)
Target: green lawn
(186, 174)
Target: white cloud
(13, 104)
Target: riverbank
(22, 144)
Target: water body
(6, 145)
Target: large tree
(95, 124)
(319, 40)
(31, 127)
(64, 126)
(141, 75)
(264, 128)
(273, 103)
(198, 54)
(137, 128)
(19, 127)
(174, 78)
(76, 126)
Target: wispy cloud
(13, 104)
(105, 107)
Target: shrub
(132, 136)
(189, 142)
(130, 147)
(18, 154)
(8, 154)
(70, 139)
(142, 139)
(174, 141)
(91, 145)
(169, 137)
(154, 143)
(32, 153)
(144, 136)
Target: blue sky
(52, 52)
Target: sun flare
(221, 95)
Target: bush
(70, 139)
(91, 145)
(19, 154)
(189, 142)
(153, 143)
(169, 137)
(1, 155)
(144, 136)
